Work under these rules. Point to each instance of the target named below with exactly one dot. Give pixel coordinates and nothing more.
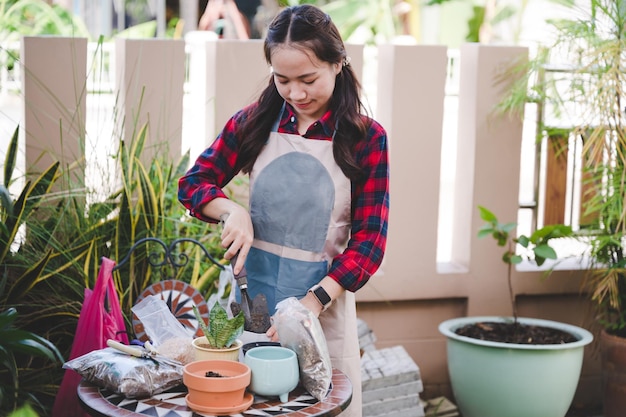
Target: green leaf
(501, 238)
(25, 282)
(10, 159)
(508, 227)
(544, 251)
(222, 331)
(148, 198)
(484, 231)
(13, 221)
(7, 317)
(474, 24)
(487, 215)
(523, 241)
(24, 411)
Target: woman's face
(304, 81)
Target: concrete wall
(150, 91)
(54, 89)
(412, 293)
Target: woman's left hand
(310, 302)
(272, 334)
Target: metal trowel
(242, 282)
(255, 312)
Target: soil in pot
(515, 333)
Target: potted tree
(514, 366)
(580, 80)
(220, 340)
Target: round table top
(101, 402)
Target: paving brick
(407, 412)
(367, 338)
(393, 406)
(408, 388)
(389, 366)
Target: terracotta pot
(222, 394)
(202, 350)
(613, 374)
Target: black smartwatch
(322, 296)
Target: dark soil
(515, 333)
(259, 320)
(211, 374)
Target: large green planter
(491, 379)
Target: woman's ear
(338, 67)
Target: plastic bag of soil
(124, 374)
(300, 331)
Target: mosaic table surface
(101, 402)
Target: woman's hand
(237, 235)
(237, 232)
(272, 334)
(310, 303)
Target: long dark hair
(309, 28)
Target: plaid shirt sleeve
(213, 169)
(370, 213)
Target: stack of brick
(391, 384)
(367, 338)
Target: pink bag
(100, 319)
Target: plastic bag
(226, 283)
(300, 331)
(164, 330)
(124, 374)
(159, 322)
(100, 319)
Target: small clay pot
(202, 350)
(224, 392)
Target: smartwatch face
(322, 295)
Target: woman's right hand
(237, 235)
(237, 231)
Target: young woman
(319, 183)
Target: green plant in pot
(220, 340)
(579, 79)
(216, 380)
(514, 366)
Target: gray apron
(300, 204)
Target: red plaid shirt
(218, 164)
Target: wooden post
(556, 178)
